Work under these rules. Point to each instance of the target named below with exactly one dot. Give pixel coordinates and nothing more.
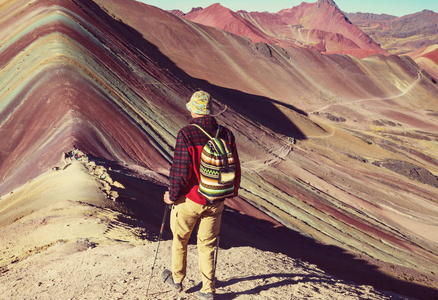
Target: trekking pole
(158, 245)
(215, 255)
(216, 252)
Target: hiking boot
(209, 296)
(167, 277)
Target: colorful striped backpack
(217, 169)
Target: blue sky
(396, 8)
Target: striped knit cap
(200, 103)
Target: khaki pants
(185, 213)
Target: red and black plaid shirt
(184, 173)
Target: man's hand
(166, 198)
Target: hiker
(66, 156)
(189, 206)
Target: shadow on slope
(142, 198)
(243, 230)
(259, 109)
(291, 279)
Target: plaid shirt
(184, 173)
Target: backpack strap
(217, 132)
(218, 144)
(202, 129)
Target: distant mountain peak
(195, 9)
(321, 24)
(329, 2)
(217, 6)
(177, 12)
(427, 12)
(214, 8)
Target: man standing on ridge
(189, 206)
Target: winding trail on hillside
(408, 89)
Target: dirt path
(121, 271)
(409, 88)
